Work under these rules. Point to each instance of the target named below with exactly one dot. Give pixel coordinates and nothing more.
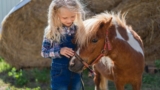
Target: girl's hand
(68, 52)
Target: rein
(103, 53)
(84, 63)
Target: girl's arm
(50, 49)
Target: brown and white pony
(113, 49)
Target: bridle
(107, 47)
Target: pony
(113, 49)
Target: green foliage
(148, 79)
(157, 63)
(19, 76)
(41, 75)
(151, 81)
(3, 65)
(39, 79)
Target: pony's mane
(92, 26)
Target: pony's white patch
(134, 43)
(119, 35)
(73, 58)
(131, 41)
(107, 61)
(95, 88)
(116, 26)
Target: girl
(64, 20)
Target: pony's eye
(94, 40)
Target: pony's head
(91, 41)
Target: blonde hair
(51, 31)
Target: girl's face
(66, 16)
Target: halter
(103, 53)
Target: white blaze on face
(73, 58)
(131, 41)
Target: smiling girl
(64, 21)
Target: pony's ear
(106, 23)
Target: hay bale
(97, 6)
(142, 15)
(22, 33)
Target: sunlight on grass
(2, 83)
(3, 65)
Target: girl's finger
(66, 55)
(69, 49)
(70, 53)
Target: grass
(39, 79)
(33, 79)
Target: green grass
(3, 66)
(31, 79)
(39, 79)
